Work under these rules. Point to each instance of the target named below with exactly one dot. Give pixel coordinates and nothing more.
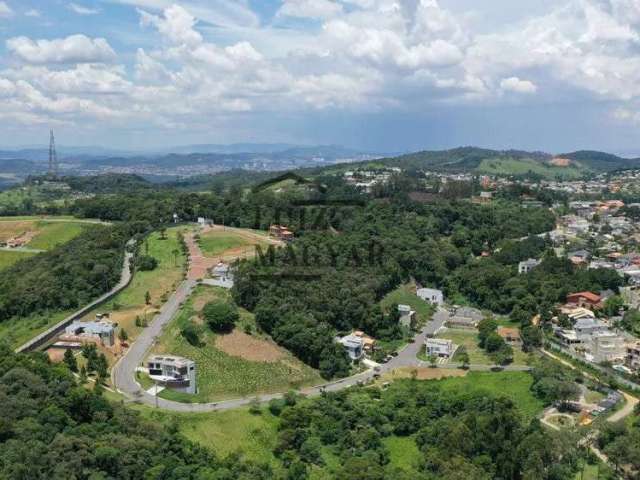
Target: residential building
(101, 331)
(368, 343)
(407, 316)
(354, 346)
(633, 356)
(439, 347)
(588, 327)
(527, 265)
(584, 299)
(281, 232)
(431, 295)
(176, 373)
(607, 347)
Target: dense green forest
(51, 428)
(67, 277)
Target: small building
(568, 337)
(607, 347)
(407, 316)
(281, 232)
(172, 372)
(584, 299)
(368, 343)
(587, 327)
(431, 295)
(222, 271)
(439, 347)
(99, 330)
(510, 335)
(527, 265)
(633, 356)
(354, 346)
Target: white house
(431, 295)
(354, 346)
(439, 347)
(527, 265)
(608, 347)
(101, 330)
(173, 372)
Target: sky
(377, 75)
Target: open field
(513, 385)
(403, 452)
(406, 295)
(469, 340)
(41, 233)
(160, 282)
(231, 365)
(229, 241)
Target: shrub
(146, 263)
(191, 334)
(220, 316)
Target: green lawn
(8, 258)
(403, 295)
(469, 339)
(53, 234)
(223, 376)
(227, 432)
(216, 242)
(513, 385)
(403, 452)
(19, 331)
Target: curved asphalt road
(123, 373)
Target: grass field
(223, 375)
(52, 234)
(227, 432)
(512, 166)
(513, 385)
(8, 258)
(215, 242)
(469, 340)
(403, 452)
(19, 331)
(160, 282)
(405, 295)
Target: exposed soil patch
(423, 373)
(56, 355)
(239, 344)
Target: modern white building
(439, 347)
(176, 373)
(101, 330)
(527, 265)
(431, 295)
(354, 345)
(608, 347)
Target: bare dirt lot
(423, 373)
(239, 344)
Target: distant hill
(509, 162)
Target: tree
(464, 359)
(191, 333)
(175, 253)
(123, 335)
(163, 233)
(220, 316)
(433, 360)
(486, 327)
(83, 375)
(493, 342)
(146, 263)
(70, 360)
(147, 298)
(102, 367)
(138, 322)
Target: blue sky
(387, 75)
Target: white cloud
(310, 8)
(73, 49)
(514, 84)
(176, 24)
(82, 10)
(5, 10)
(33, 13)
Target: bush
(220, 316)
(276, 406)
(146, 263)
(191, 334)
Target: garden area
(467, 340)
(239, 362)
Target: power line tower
(53, 157)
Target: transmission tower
(53, 157)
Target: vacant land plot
(215, 242)
(231, 243)
(40, 234)
(477, 356)
(18, 331)
(513, 385)
(160, 282)
(422, 373)
(233, 365)
(406, 295)
(513, 166)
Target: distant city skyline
(374, 75)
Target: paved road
(47, 335)
(123, 374)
